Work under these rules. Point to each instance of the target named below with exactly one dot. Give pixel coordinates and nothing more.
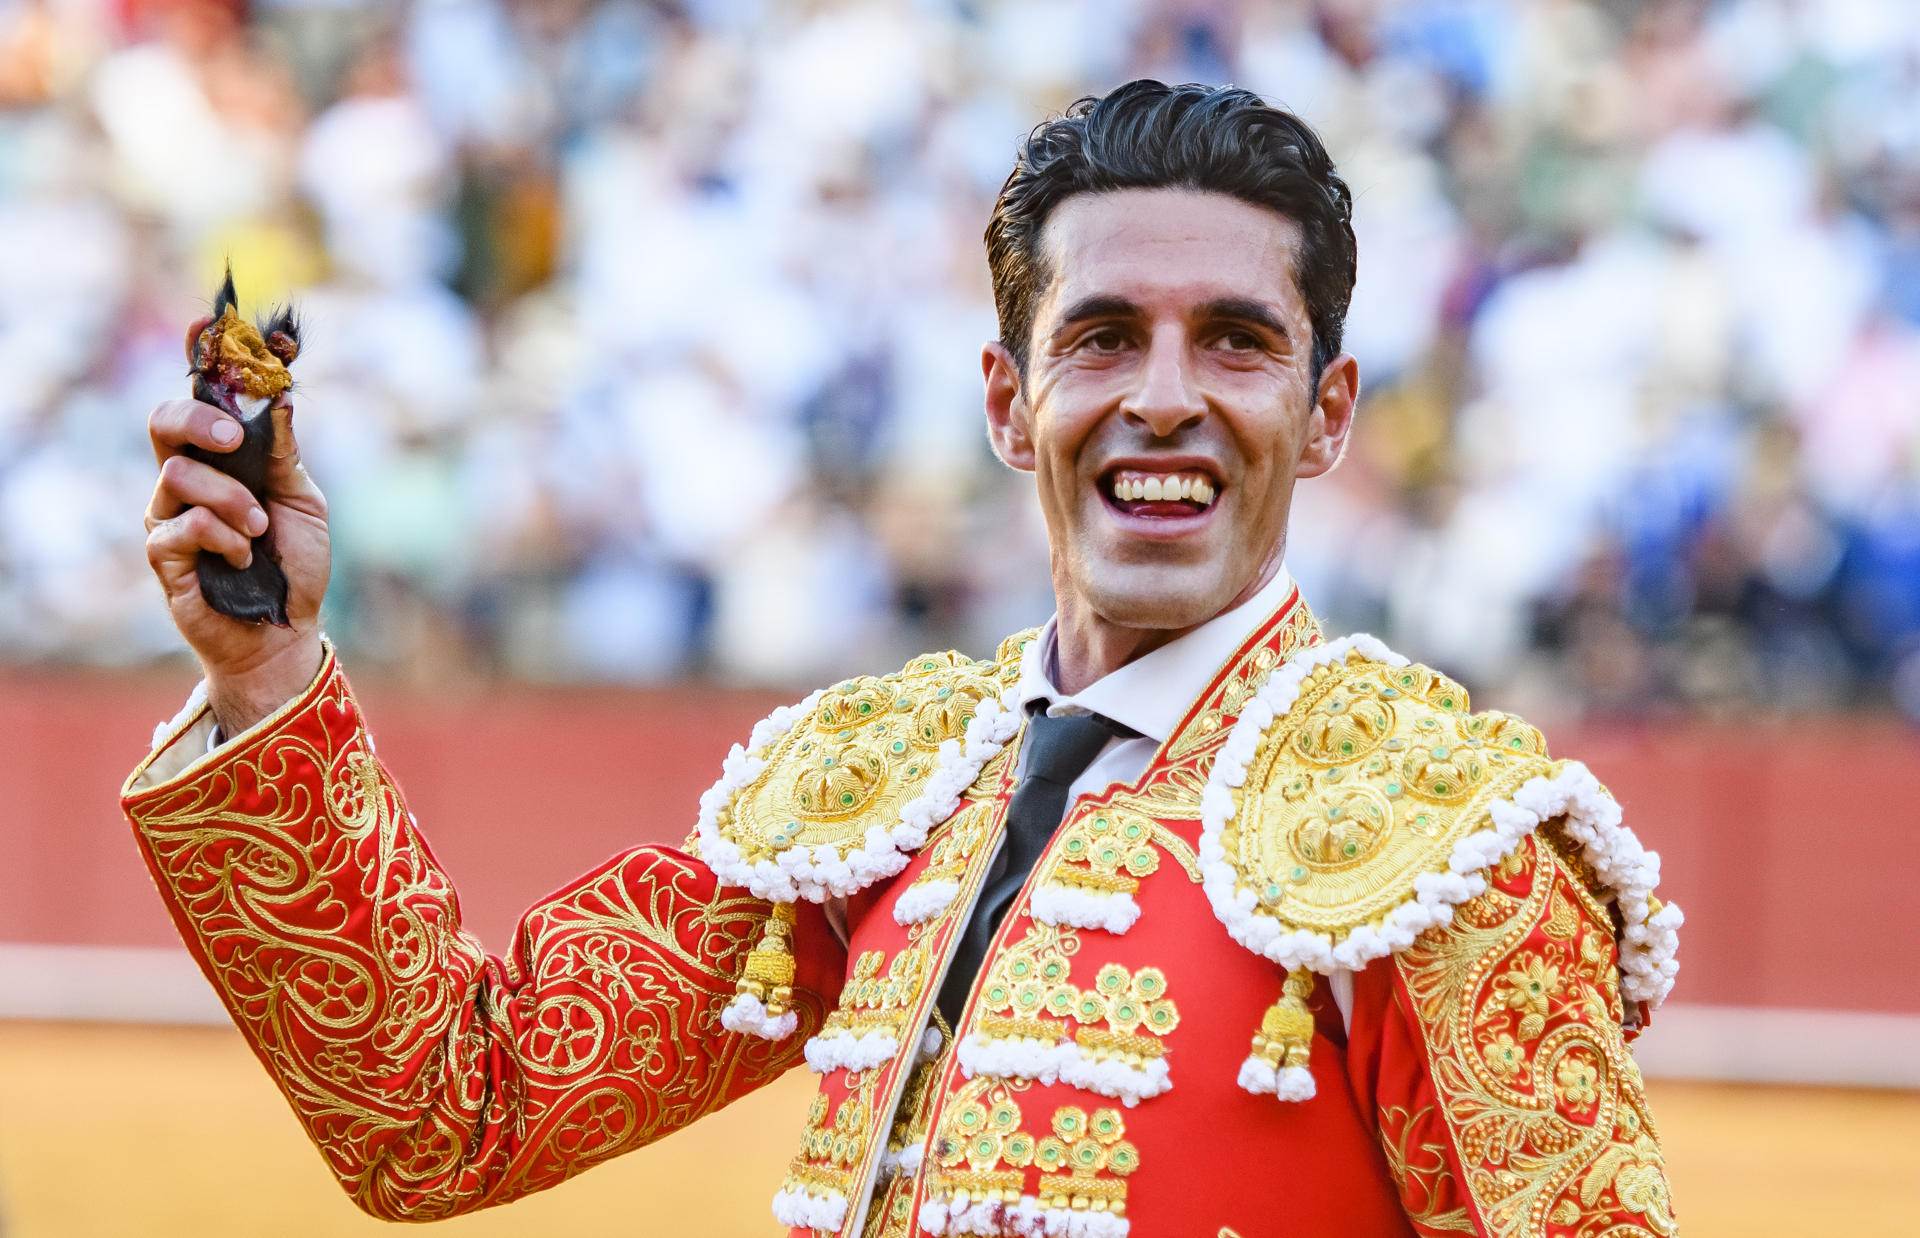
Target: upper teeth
(1156, 487)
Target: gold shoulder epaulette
(1357, 802)
(836, 792)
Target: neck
(1088, 647)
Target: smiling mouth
(1137, 492)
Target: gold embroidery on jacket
(1520, 1007)
(1422, 1173)
(1030, 995)
(1299, 630)
(865, 750)
(395, 1039)
(1107, 852)
(982, 1153)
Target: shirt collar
(1151, 693)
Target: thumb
(284, 474)
(285, 451)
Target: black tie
(1057, 751)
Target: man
(1172, 918)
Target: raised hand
(251, 668)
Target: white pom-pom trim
(799, 1209)
(924, 900)
(1058, 904)
(942, 1217)
(746, 1014)
(1593, 820)
(822, 872)
(1062, 1061)
(1293, 1083)
(841, 1051)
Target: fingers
(186, 482)
(179, 423)
(174, 545)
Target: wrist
(241, 698)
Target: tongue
(1159, 507)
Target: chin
(1158, 598)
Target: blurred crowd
(643, 337)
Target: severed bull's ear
(282, 333)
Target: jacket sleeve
(433, 1077)
(1493, 1053)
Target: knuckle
(169, 416)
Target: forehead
(1162, 248)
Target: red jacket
(1332, 885)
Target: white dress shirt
(1149, 694)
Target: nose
(1165, 398)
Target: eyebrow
(1240, 309)
(1247, 310)
(1099, 305)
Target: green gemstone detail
(1299, 873)
(846, 799)
(1352, 848)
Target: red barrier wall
(1793, 845)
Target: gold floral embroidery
(980, 1130)
(1528, 986)
(875, 1000)
(1577, 1082)
(1107, 852)
(1083, 1147)
(1505, 1056)
(1030, 995)
(982, 1152)
(1521, 1020)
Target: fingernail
(225, 432)
(256, 522)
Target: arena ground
(167, 1132)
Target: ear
(1332, 418)
(1009, 420)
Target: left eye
(1240, 341)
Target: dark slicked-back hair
(1148, 135)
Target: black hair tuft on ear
(281, 330)
(226, 298)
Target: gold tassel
(769, 972)
(1285, 1039)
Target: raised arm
(433, 1077)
